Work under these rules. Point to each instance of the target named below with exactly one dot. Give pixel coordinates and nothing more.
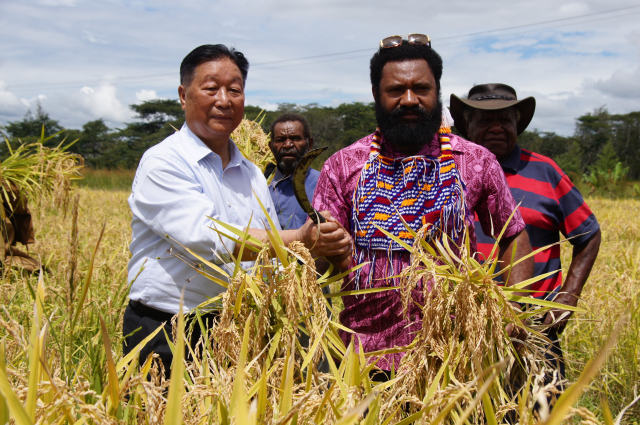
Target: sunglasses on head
(396, 40)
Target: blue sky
(84, 60)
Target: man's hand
(584, 255)
(327, 239)
(557, 318)
(507, 255)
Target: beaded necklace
(414, 191)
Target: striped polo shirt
(550, 204)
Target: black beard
(286, 168)
(409, 137)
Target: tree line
(602, 145)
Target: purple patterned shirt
(377, 319)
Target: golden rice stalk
(253, 142)
(35, 171)
(464, 316)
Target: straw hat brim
(457, 106)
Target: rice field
(61, 341)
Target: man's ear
(374, 92)
(182, 95)
(310, 144)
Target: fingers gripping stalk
(299, 177)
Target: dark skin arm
(522, 271)
(584, 256)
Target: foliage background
(600, 143)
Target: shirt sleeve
(330, 194)
(577, 221)
(170, 202)
(497, 204)
(264, 196)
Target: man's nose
(287, 143)
(222, 98)
(409, 98)
(496, 127)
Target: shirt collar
(455, 144)
(195, 149)
(512, 161)
(278, 176)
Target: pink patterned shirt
(377, 318)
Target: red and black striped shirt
(550, 205)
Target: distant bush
(106, 179)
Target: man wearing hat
(493, 117)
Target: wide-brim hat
(491, 97)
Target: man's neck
(281, 174)
(219, 145)
(511, 161)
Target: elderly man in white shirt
(192, 175)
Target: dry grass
(274, 371)
(613, 289)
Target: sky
(87, 60)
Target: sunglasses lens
(391, 41)
(419, 39)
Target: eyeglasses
(396, 40)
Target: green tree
(571, 161)
(593, 131)
(94, 140)
(155, 120)
(625, 130)
(158, 112)
(607, 158)
(546, 143)
(358, 120)
(29, 128)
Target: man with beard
(290, 140)
(409, 172)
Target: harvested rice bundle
(253, 142)
(37, 171)
(463, 336)
(31, 172)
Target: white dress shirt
(178, 185)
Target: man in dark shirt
(290, 140)
(493, 117)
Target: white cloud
(93, 38)
(8, 100)
(571, 66)
(11, 106)
(622, 84)
(573, 8)
(144, 95)
(266, 105)
(57, 2)
(102, 102)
